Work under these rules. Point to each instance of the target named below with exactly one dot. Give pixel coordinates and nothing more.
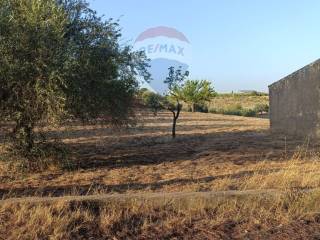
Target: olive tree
(32, 49)
(59, 59)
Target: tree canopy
(59, 59)
(197, 92)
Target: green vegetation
(229, 104)
(197, 93)
(152, 100)
(172, 101)
(193, 92)
(58, 60)
(240, 104)
(199, 96)
(63, 69)
(260, 108)
(238, 110)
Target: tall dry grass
(246, 101)
(185, 218)
(294, 180)
(294, 204)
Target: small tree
(172, 102)
(153, 101)
(197, 92)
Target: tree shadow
(107, 132)
(237, 146)
(102, 147)
(88, 189)
(131, 149)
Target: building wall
(295, 103)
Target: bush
(201, 108)
(213, 110)
(232, 112)
(249, 113)
(236, 110)
(261, 108)
(152, 101)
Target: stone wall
(295, 103)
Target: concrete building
(295, 103)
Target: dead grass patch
(234, 218)
(211, 153)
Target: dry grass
(236, 218)
(243, 100)
(211, 153)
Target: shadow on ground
(232, 140)
(88, 189)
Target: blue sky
(245, 44)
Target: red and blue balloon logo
(165, 47)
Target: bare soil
(208, 149)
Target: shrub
(201, 108)
(236, 110)
(249, 113)
(213, 110)
(152, 101)
(261, 108)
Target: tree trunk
(174, 127)
(175, 118)
(193, 107)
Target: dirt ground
(211, 152)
